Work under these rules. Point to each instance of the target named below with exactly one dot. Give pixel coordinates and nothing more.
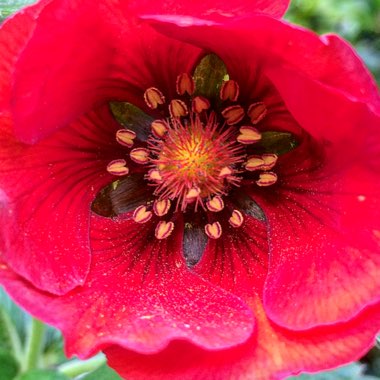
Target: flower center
(194, 162)
(195, 154)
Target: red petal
(326, 114)
(333, 111)
(56, 79)
(49, 188)
(213, 10)
(324, 223)
(338, 94)
(328, 59)
(275, 44)
(14, 34)
(139, 294)
(271, 354)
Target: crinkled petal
(56, 79)
(272, 354)
(327, 59)
(47, 192)
(327, 114)
(139, 294)
(338, 93)
(324, 238)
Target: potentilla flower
(191, 187)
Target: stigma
(196, 153)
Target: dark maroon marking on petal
(238, 260)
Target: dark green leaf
(40, 374)
(8, 366)
(209, 76)
(248, 205)
(277, 142)
(102, 373)
(132, 117)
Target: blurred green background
(358, 21)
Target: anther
(154, 175)
(248, 135)
(229, 90)
(125, 137)
(233, 114)
(214, 230)
(153, 97)
(216, 204)
(185, 83)
(200, 104)
(163, 230)
(236, 219)
(117, 167)
(267, 179)
(178, 108)
(159, 128)
(257, 112)
(254, 163)
(270, 161)
(225, 172)
(192, 194)
(139, 155)
(162, 207)
(141, 214)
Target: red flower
(242, 238)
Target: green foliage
(353, 371)
(39, 374)
(103, 373)
(19, 319)
(9, 366)
(5, 338)
(7, 7)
